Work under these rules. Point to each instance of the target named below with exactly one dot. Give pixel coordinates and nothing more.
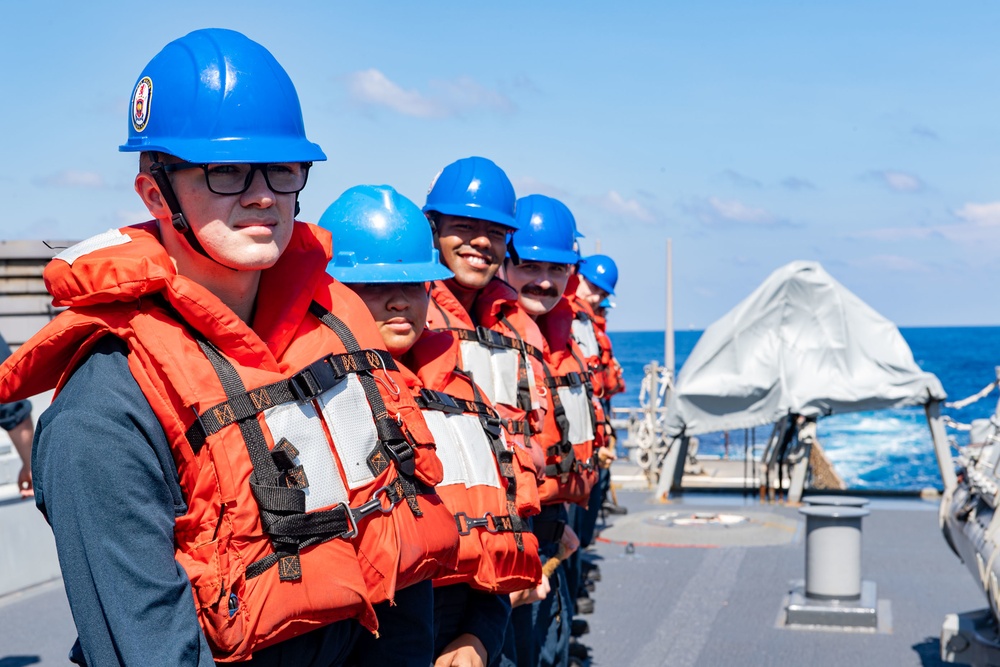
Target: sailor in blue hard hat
(223, 150)
(598, 277)
(383, 249)
(151, 539)
(471, 206)
(546, 253)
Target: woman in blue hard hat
(197, 498)
(384, 251)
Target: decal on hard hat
(140, 103)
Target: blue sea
(884, 450)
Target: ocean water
(883, 450)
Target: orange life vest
(571, 433)
(488, 484)
(497, 353)
(306, 469)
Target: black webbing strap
(571, 379)
(516, 426)
(491, 423)
(282, 504)
(564, 448)
(392, 442)
(352, 517)
(442, 402)
(305, 385)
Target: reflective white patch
(349, 418)
(495, 370)
(583, 334)
(300, 425)
(108, 239)
(577, 406)
(464, 450)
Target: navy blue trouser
(538, 634)
(405, 631)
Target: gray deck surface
(688, 606)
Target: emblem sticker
(140, 103)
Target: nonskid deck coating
(688, 607)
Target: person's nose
(258, 194)
(397, 301)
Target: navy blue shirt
(11, 414)
(106, 481)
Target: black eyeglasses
(283, 178)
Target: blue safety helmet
(577, 234)
(473, 187)
(546, 232)
(380, 236)
(600, 270)
(216, 96)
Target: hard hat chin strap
(512, 251)
(177, 219)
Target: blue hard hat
(380, 236)
(600, 270)
(577, 234)
(216, 96)
(546, 231)
(473, 187)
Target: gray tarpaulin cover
(801, 343)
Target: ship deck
(697, 597)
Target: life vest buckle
(436, 400)
(304, 385)
(491, 425)
(491, 338)
(376, 504)
(466, 523)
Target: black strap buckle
(376, 504)
(466, 523)
(491, 338)
(436, 400)
(491, 425)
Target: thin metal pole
(669, 333)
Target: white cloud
(446, 98)
(71, 178)
(716, 210)
(983, 215)
(618, 205)
(373, 88)
(898, 181)
(979, 226)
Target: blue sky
(864, 135)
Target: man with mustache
(542, 261)
(226, 469)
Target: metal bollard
(833, 552)
(835, 501)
